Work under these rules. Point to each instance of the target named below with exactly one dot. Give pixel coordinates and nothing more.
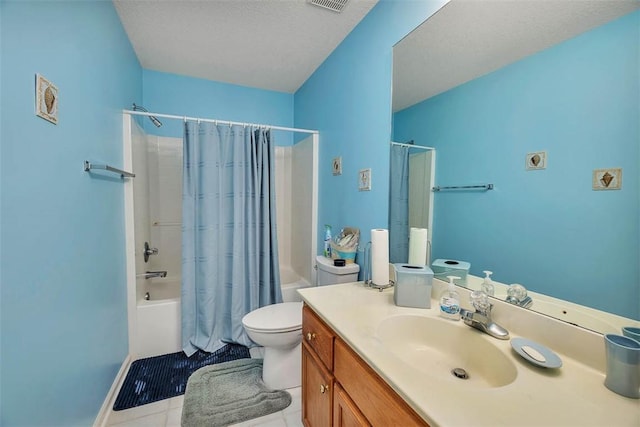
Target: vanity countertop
(573, 395)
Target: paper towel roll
(380, 256)
(418, 241)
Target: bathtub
(159, 321)
(290, 283)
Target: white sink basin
(436, 347)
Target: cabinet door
(345, 412)
(317, 390)
(318, 335)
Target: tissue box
(413, 286)
(451, 267)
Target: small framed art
(46, 99)
(364, 180)
(607, 179)
(536, 160)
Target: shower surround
(154, 215)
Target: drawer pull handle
(310, 336)
(323, 388)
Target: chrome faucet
(517, 295)
(481, 318)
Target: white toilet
(278, 328)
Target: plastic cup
(631, 332)
(623, 365)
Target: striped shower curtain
(399, 205)
(229, 244)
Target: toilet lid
(286, 316)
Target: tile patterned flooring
(168, 412)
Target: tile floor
(168, 412)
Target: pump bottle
(450, 301)
(487, 285)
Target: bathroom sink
(436, 347)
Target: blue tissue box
(451, 267)
(413, 286)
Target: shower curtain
(399, 204)
(229, 244)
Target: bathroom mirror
(539, 99)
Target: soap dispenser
(450, 301)
(487, 285)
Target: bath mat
(230, 393)
(162, 377)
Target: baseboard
(103, 415)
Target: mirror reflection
(542, 102)
(410, 206)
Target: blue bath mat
(162, 377)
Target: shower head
(153, 119)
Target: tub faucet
(150, 274)
(481, 317)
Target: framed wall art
(46, 99)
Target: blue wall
(181, 95)
(579, 101)
(63, 305)
(348, 99)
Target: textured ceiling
(267, 44)
(470, 38)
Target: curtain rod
(225, 122)
(412, 146)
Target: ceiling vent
(335, 5)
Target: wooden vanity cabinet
(317, 390)
(345, 412)
(339, 388)
(317, 364)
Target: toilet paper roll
(380, 256)
(418, 241)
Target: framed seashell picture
(46, 99)
(536, 160)
(607, 179)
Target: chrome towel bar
(88, 166)
(465, 187)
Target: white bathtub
(291, 282)
(159, 321)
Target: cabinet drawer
(318, 336)
(378, 402)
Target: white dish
(548, 360)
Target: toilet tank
(329, 274)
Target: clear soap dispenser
(450, 301)
(487, 285)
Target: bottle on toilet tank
(327, 241)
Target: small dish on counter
(535, 353)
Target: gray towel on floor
(229, 393)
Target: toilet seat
(275, 318)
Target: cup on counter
(631, 332)
(623, 365)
